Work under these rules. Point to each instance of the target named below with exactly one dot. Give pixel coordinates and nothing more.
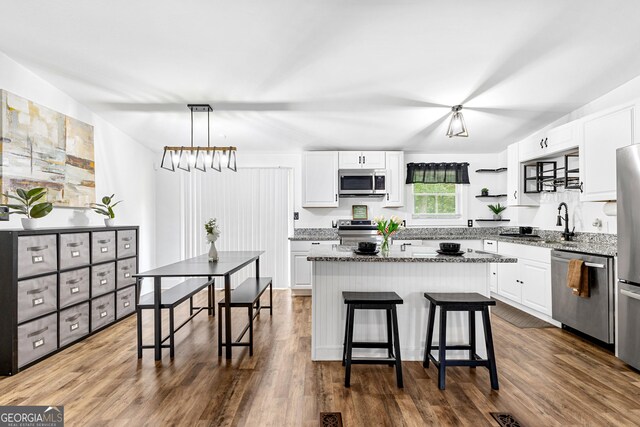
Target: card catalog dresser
(58, 286)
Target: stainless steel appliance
(594, 315)
(628, 176)
(351, 232)
(362, 183)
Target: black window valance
(438, 173)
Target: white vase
(28, 223)
(213, 252)
(109, 222)
(497, 217)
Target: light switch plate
(296, 216)
(469, 223)
(4, 213)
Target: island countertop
(410, 254)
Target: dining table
(228, 263)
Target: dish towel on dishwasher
(578, 278)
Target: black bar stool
(469, 302)
(372, 301)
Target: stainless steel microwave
(362, 182)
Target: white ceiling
(329, 74)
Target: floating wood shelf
(479, 196)
(491, 170)
(492, 220)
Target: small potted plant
(497, 210)
(31, 204)
(484, 191)
(106, 208)
(213, 232)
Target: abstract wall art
(40, 147)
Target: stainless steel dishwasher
(594, 315)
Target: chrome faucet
(566, 234)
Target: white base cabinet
(529, 281)
(300, 267)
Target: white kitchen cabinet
(551, 142)
(300, 267)
(361, 160)
(603, 134)
(320, 179)
(395, 180)
(493, 277)
(529, 281)
(515, 181)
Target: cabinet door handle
(359, 160)
(364, 160)
(545, 143)
(315, 243)
(336, 197)
(515, 194)
(541, 143)
(387, 196)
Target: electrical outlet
(296, 216)
(404, 222)
(4, 213)
(469, 223)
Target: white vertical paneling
(253, 209)
(410, 281)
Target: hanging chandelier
(199, 157)
(457, 126)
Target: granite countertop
(590, 243)
(411, 254)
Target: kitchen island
(409, 273)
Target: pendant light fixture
(198, 157)
(457, 126)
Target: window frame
(459, 218)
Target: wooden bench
(247, 294)
(170, 299)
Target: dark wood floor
(547, 377)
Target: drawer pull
(74, 244)
(100, 307)
(72, 318)
(38, 332)
(38, 248)
(315, 243)
(630, 294)
(37, 291)
(74, 281)
(594, 265)
(74, 290)
(74, 326)
(127, 239)
(102, 273)
(104, 241)
(125, 268)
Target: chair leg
(346, 334)
(472, 336)
(488, 335)
(428, 343)
(350, 315)
(171, 334)
(442, 349)
(190, 306)
(220, 331)
(270, 299)
(251, 330)
(139, 330)
(389, 336)
(396, 341)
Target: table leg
(227, 315)
(157, 319)
(257, 268)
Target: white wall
(123, 166)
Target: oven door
(356, 182)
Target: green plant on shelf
(497, 210)
(484, 191)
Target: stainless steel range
(352, 231)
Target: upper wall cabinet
(515, 180)
(545, 144)
(320, 179)
(361, 160)
(603, 134)
(395, 179)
